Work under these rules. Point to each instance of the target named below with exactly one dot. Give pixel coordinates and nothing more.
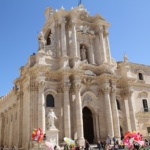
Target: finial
(62, 7)
(79, 3)
(125, 58)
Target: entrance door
(88, 125)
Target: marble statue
(42, 41)
(83, 53)
(51, 118)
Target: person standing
(87, 145)
(99, 145)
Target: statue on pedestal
(42, 41)
(51, 119)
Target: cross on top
(80, 1)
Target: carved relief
(85, 30)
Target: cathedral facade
(74, 75)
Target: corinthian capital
(41, 84)
(113, 90)
(66, 86)
(100, 29)
(63, 21)
(106, 90)
(76, 86)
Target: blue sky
(22, 20)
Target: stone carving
(42, 41)
(83, 53)
(89, 72)
(125, 59)
(85, 30)
(50, 49)
(51, 119)
(52, 39)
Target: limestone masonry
(74, 75)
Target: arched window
(145, 105)
(50, 101)
(118, 104)
(48, 38)
(140, 76)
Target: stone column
(41, 107)
(108, 111)
(103, 50)
(91, 52)
(115, 113)
(97, 126)
(74, 39)
(63, 36)
(67, 124)
(131, 110)
(107, 47)
(19, 118)
(124, 94)
(79, 118)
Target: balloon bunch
(69, 141)
(37, 135)
(133, 137)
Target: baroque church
(73, 74)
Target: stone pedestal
(52, 136)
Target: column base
(81, 142)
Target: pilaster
(107, 47)
(74, 48)
(41, 106)
(67, 125)
(115, 112)
(124, 95)
(79, 119)
(108, 110)
(132, 113)
(63, 36)
(102, 44)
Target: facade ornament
(113, 90)
(63, 20)
(89, 73)
(66, 86)
(101, 29)
(125, 59)
(106, 90)
(42, 41)
(83, 53)
(88, 99)
(60, 89)
(106, 33)
(85, 30)
(51, 117)
(50, 49)
(41, 84)
(76, 86)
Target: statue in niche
(52, 39)
(83, 53)
(42, 41)
(51, 117)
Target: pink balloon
(49, 145)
